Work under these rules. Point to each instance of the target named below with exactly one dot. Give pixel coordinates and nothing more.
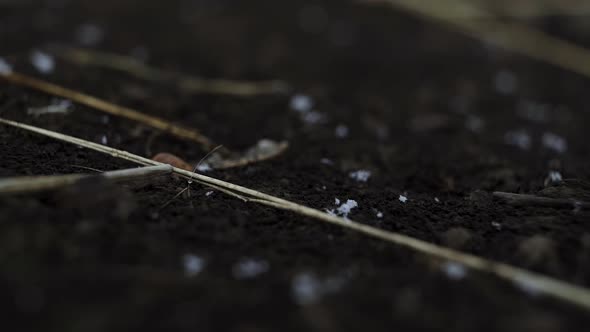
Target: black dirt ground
(423, 114)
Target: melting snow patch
(249, 268)
(43, 62)
(193, 265)
(403, 198)
(89, 34)
(5, 67)
(344, 209)
(360, 175)
(341, 131)
(519, 138)
(554, 142)
(454, 271)
(506, 82)
(301, 103)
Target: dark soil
(100, 256)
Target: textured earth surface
(426, 113)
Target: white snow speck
(403, 198)
(496, 225)
(204, 167)
(519, 138)
(5, 67)
(360, 175)
(312, 117)
(437, 200)
(533, 111)
(554, 142)
(248, 268)
(307, 288)
(379, 214)
(506, 82)
(104, 140)
(209, 193)
(454, 271)
(301, 103)
(344, 209)
(43, 62)
(89, 34)
(474, 123)
(326, 161)
(341, 131)
(193, 265)
(554, 177)
(58, 106)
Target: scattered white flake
(105, 119)
(344, 209)
(312, 117)
(89, 34)
(454, 271)
(43, 62)
(204, 167)
(437, 200)
(307, 288)
(326, 161)
(341, 131)
(249, 268)
(554, 177)
(474, 123)
(301, 103)
(506, 82)
(533, 111)
(518, 138)
(554, 142)
(360, 175)
(496, 225)
(379, 214)
(402, 198)
(209, 193)
(5, 67)
(58, 106)
(104, 140)
(193, 265)
(324, 187)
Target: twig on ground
(532, 200)
(189, 84)
(512, 36)
(27, 184)
(548, 286)
(263, 150)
